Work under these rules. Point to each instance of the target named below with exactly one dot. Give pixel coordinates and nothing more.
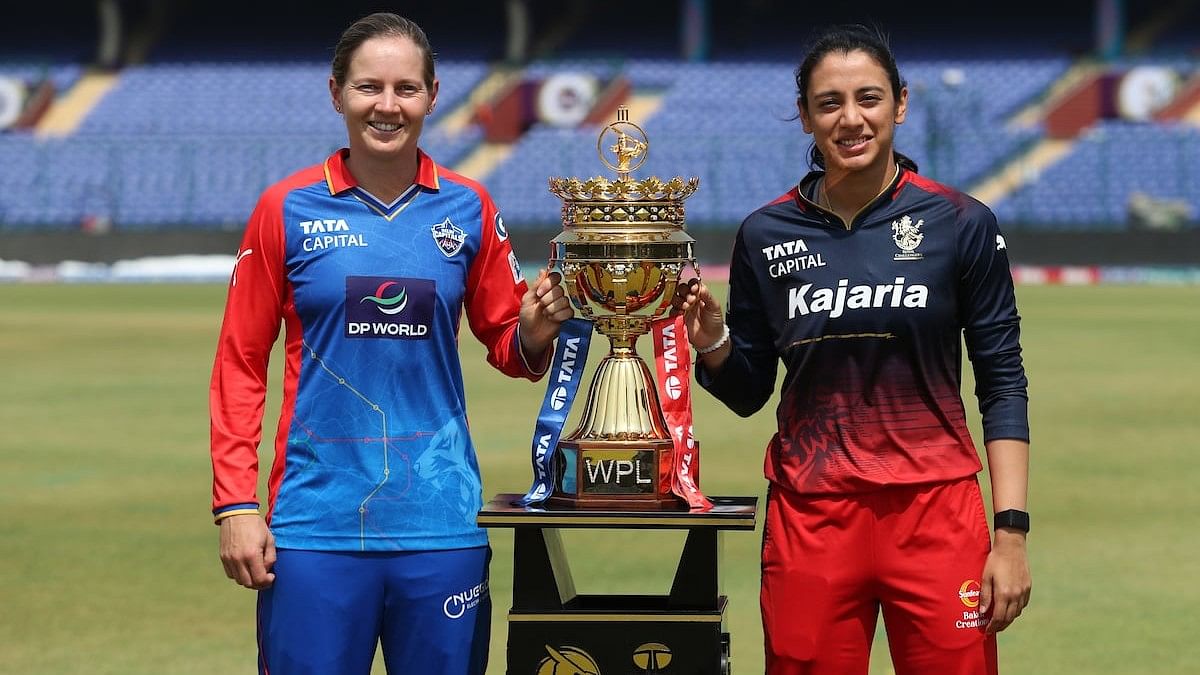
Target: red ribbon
(673, 361)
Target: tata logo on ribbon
(389, 307)
(674, 387)
(559, 398)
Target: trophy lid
(623, 147)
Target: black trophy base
(618, 634)
(553, 630)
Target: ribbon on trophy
(565, 374)
(673, 361)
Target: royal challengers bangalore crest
(908, 237)
(449, 237)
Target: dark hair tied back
(843, 40)
(380, 24)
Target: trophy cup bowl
(621, 253)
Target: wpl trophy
(621, 252)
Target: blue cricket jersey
(372, 450)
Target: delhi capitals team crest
(908, 237)
(449, 237)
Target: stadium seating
(732, 124)
(1092, 187)
(169, 137)
(172, 135)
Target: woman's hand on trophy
(543, 309)
(704, 320)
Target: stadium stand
(203, 118)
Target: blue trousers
(327, 611)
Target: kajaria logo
(804, 300)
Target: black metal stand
(554, 630)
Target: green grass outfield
(108, 555)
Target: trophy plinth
(621, 252)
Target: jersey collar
(339, 179)
(806, 197)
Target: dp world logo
(387, 299)
(389, 307)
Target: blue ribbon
(562, 384)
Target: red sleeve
(493, 303)
(237, 393)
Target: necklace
(823, 194)
(823, 197)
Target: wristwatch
(1014, 518)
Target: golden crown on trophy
(621, 252)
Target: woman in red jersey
(864, 280)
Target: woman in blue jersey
(369, 260)
(863, 279)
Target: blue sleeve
(747, 378)
(991, 327)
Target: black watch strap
(1014, 518)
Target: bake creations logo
(968, 595)
(389, 307)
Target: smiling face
(851, 112)
(385, 98)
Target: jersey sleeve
(747, 378)
(237, 392)
(991, 326)
(495, 287)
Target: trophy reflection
(621, 252)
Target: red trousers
(830, 563)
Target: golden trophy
(621, 252)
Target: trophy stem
(622, 404)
